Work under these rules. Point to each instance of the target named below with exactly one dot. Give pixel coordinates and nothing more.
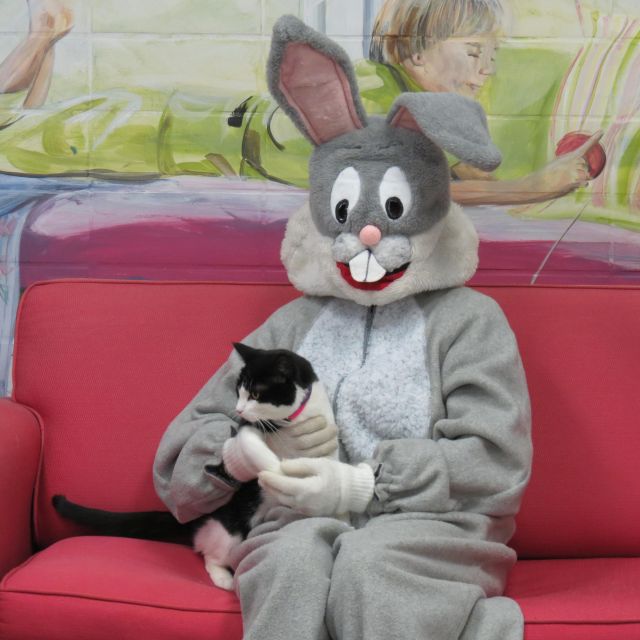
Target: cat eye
(253, 395)
(345, 193)
(395, 193)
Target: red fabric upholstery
(19, 456)
(582, 599)
(157, 590)
(107, 365)
(581, 351)
(115, 588)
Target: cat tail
(147, 525)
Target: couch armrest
(20, 445)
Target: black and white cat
(276, 389)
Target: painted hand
(320, 486)
(247, 454)
(313, 438)
(564, 174)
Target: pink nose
(370, 236)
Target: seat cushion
(582, 599)
(97, 588)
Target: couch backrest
(108, 364)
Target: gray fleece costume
(424, 376)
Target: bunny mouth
(365, 272)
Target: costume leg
(282, 578)
(407, 576)
(491, 618)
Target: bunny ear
(312, 79)
(453, 122)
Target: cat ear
(455, 123)
(246, 352)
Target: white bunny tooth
(375, 272)
(358, 266)
(365, 268)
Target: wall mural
(137, 140)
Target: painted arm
(561, 176)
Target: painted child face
(459, 65)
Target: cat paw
(220, 576)
(256, 451)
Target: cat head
(272, 383)
(380, 224)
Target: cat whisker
(272, 427)
(263, 425)
(277, 435)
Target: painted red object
(596, 157)
(106, 365)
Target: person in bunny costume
(424, 375)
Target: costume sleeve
(478, 458)
(188, 472)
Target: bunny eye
(345, 193)
(341, 211)
(394, 207)
(395, 193)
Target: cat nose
(370, 235)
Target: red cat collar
(303, 404)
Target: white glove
(246, 455)
(313, 438)
(320, 486)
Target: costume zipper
(371, 312)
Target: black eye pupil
(394, 207)
(342, 209)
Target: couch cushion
(107, 365)
(581, 353)
(582, 599)
(108, 588)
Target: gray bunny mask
(380, 224)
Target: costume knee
(298, 552)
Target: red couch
(101, 367)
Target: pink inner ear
(318, 89)
(404, 119)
